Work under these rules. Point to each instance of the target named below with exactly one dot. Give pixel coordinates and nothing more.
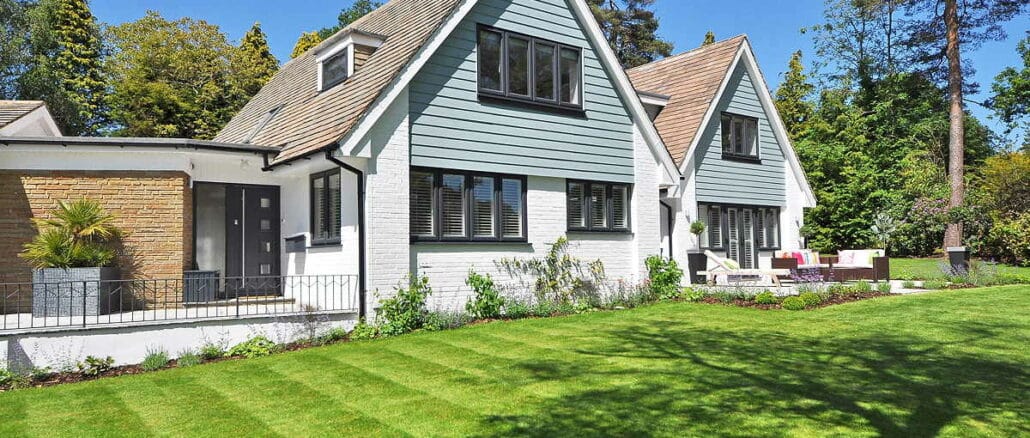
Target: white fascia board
(351, 143)
(629, 94)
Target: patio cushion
(731, 264)
(858, 258)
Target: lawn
(930, 268)
(952, 363)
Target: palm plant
(77, 235)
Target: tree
(1011, 99)
(254, 62)
(14, 31)
(307, 41)
(171, 78)
(357, 9)
(856, 41)
(65, 68)
(930, 31)
(631, 28)
(709, 38)
(792, 97)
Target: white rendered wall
(129, 345)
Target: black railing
(197, 295)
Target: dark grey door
(252, 264)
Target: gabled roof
(11, 110)
(696, 80)
(692, 80)
(310, 120)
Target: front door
(252, 241)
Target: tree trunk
(956, 133)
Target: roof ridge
(691, 52)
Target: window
(326, 207)
(739, 136)
(334, 69)
(449, 205)
(763, 223)
(595, 206)
(528, 69)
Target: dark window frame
(326, 216)
(757, 157)
(755, 210)
(468, 199)
(609, 207)
(532, 99)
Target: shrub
(516, 309)
(1011, 237)
(793, 303)
(544, 309)
(6, 377)
(665, 276)
(908, 284)
(935, 284)
(155, 360)
(257, 346)
(211, 351)
(884, 287)
(406, 310)
(363, 331)
(558, 276)
(79, 234)
(693, 295)
(334, 334)
(188, 358)
(488, 301)
(724, 297)
(810, 299)
(437, 321)
(862, 287)
(840, 289)
(766, 297)
(94, 366)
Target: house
(432, 137)
(26, 118)
(741, 175)
(429, 137)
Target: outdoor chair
(730, 268)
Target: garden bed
(830, 300)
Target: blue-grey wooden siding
(451, 128)
(720, 180)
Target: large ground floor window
(740, 230)
(454, 205)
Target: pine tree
(306, 42)
(709, 38)
(792, 98)
(66, 66)
(631, 28)
(255, 62)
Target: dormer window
(342, 55)
(335, 69)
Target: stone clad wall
(153, 208)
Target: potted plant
(72, 258)
(697, 260)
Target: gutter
(137, 142)
(362, 274)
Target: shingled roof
(310, 120)
(11, 110)
(692, 80)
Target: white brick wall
(447, 265)
(387, 203)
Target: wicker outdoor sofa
(847, 265)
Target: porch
(78, 304)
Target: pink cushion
(799, 257)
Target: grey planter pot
(74, 292)
(697, 261)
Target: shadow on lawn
(688, 381)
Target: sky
(773, 27)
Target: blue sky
(772, 25)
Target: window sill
(325, 244)
(624, 232)
(741, 158)
(575, 111)
(471, 242)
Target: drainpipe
(361, 224)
